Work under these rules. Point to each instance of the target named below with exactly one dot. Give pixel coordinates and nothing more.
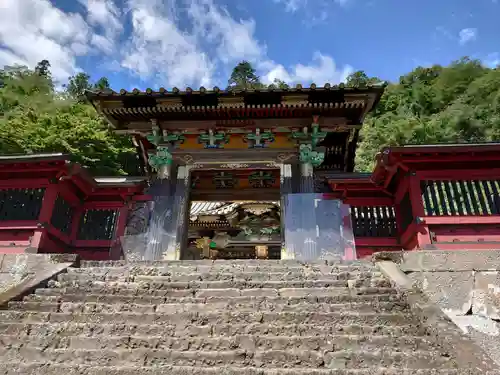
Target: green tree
(278, 84)
(360, 79)
(34, 119)
(102, 84)
(439, 104)
(244, 77)
(77, 85)
(43, 69)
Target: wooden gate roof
(125, 109)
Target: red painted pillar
(121, 223)
(75, 223)
(49, 200)
(417, 206)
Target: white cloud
(33, 30)
(102, 43)
(104, 13)
(467, 35)
(104, 16)
(234, 40)
(321, 70)
(159, 49)
(292, 5)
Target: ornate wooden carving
(224, 180)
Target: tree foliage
(437, 104)
(458, 103)
(34, 119)
(244, 77)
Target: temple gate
(254, 151)
(251, 174)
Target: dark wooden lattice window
(62, 215)
(21, 204)
(98, 224)
(373, 221)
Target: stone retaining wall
(465, 284)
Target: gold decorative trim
(235, 165)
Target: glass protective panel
(317, 228)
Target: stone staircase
(225, 317)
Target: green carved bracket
(307, 155)
(261, 176)
(173, 138)
(160, 159)
(213, 139)
(156, 138)
(259, 139)
(315, 136)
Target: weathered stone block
(486, 300)
(416, 261)
(450, 290)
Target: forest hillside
(439, 104)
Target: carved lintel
(284, 157)
(235, 165)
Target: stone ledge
(438, 324)
(21, 273)
(457, 260)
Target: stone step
(417, 359)
(126, 273)
(171, 308)
(58, 295)
(15, 368)
(134, 289)
(231, 264)
(206, 318)
(167, 270)
(208, 330)
(164, 282)
(244, 342)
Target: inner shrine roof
(219, 208)
(125, 110)
(437, 157)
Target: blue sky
(166, 43)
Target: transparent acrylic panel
(317, 228)
(155, 237)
